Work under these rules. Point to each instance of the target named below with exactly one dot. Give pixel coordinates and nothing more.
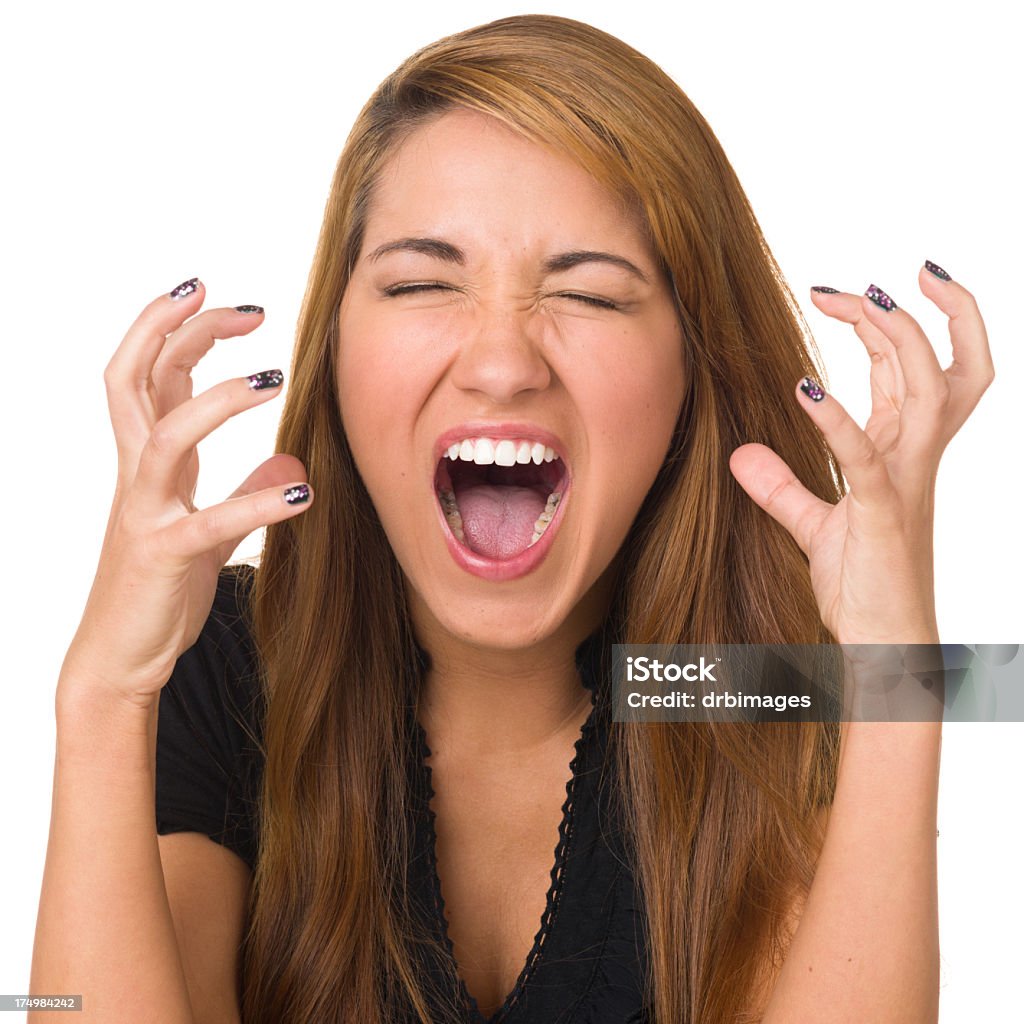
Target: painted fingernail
(824, 289)
(879, 298)
(185, 288)
(812, 389)
(266, 379)
(249, 309)
(937, 270)
(297, 495)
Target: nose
(501, 353)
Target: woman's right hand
(161, 557)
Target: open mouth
(499, 496)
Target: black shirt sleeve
(208, 736)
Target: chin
(496, 622)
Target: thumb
(775, 488)
(278, 470)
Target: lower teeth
(545, 517)
(451, 513)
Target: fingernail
(185, 288)
(824, 289)
(249, 309)
(266, 379)
(812, 389)
(879, 298)
(297, 495)
(937, 271)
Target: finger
(131, 397)
(886, 379)
(870, 486)
(173, 440)
(927, 389)
(847, 307)
(971, 370)
(774, 486)
(186, 346)
(276, 472)
(217, 526)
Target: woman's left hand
(870, 555)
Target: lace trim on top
(562, 849)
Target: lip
(492, 569)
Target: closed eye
(590, 300)
(410, 289)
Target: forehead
(467, 172)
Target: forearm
(866, 948)
(104, 927)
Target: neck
(494, 703)
(486, 702)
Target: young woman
(552, 393)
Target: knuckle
(867, 455)
(163, 546)
(162, 441)
(209, 524)
(772, 498)
(113, 374)
(969, 296)
(230, 395)
(158, 547)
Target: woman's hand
(161, 556)
(870, 555)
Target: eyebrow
(425, 246)
(448, 253)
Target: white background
(145, 144)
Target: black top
(589, 953)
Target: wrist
(85, 695)
(86, 681)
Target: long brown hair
(719, 817)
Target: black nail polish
(937, 271)
(266, 379)
(824, 289)
(812, 389)
(248, 309)
(879, 298)
(297, 495)
(185, 288)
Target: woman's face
(504, 309)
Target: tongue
(498, 521)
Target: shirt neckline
(585, 662)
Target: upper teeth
(484, 451)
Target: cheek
(376, 382)
(385, 362)
(384, 378)
(636, 399)
(366, 383)
(368, 393)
